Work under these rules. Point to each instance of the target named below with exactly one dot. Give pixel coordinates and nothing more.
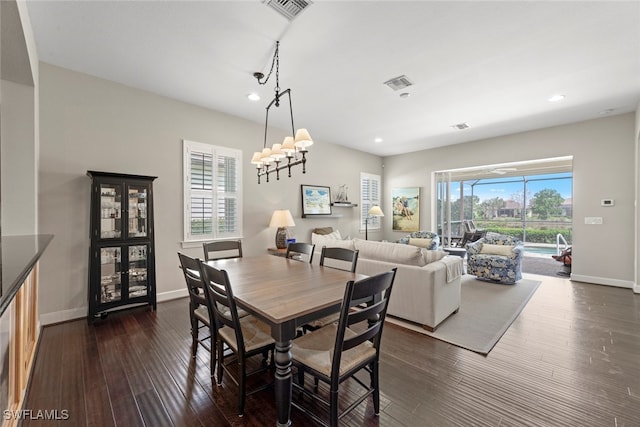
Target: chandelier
(293, 149)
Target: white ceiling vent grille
(288, 8)
(398, 83)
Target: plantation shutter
(369, 197)
(212, 192)
(227, 211)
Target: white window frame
(187, 148)
(369, 200)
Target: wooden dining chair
(298, 249)
(223, 249)
(245, 336)
(347, 259)
(199, 315)
(336, 352)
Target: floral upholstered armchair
(496, 257)
(423, 239)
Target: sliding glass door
(532, 202)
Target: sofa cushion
(420, 242)
(390, 252)
(503, 250)
(432, 256)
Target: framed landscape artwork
(316, 200)
(406, 209)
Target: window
(212, 192)
(369, 196)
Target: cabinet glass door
(110, 274)
(138, 200)
(138, 284)
(110, 209)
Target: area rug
(486, 312)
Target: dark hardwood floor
(572, 358)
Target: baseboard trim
(63, 316)
(604, 281)
(79, 313)
(168, 296)
(636, 288)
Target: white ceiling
(491, 64)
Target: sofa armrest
(420, 294)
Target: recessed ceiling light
(253, 97)
(377, 140)
(607, 111)
(405, 95)
(556, 98)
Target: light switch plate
(593, 220)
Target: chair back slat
(345, 255)
(300, 248)
(366, 335)
(222, 249)
(375, 288)
(220, 295)
(366, 312)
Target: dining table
(285, 294)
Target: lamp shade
(276, 152)
(256, 159)
(303, 139)
(288, 145)
(282, 218)
(375, 211)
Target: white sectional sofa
(427, 285)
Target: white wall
(89, 123)
(19, 183)
(603, 153)
(19, 116)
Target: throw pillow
(329, 241)
(503, 250)
(420, 242)
(323, 230)
(334, 235)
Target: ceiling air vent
(288, 8)
(398, 83)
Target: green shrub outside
(533, 235)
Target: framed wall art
(316, 200)
(406, 209)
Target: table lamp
(373, 212)
(281, 219)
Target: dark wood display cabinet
(122, 256)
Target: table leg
(283, 382)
